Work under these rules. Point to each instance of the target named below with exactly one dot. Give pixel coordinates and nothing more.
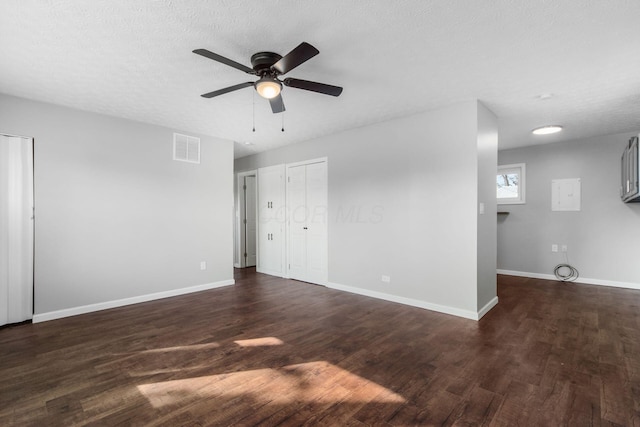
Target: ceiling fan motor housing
(262, 62)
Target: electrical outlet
(554, 248)
(386, 279)
(564, 248)
(203, 265)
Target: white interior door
(250, 221)
(16, 229)
(271, 220)
(316, 194)
(307, 225)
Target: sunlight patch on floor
(162, 360)
(158, 371)
(318, 381)
(259, 342)
(188, 347)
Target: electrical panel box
(629, 188)
(565, 194)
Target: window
(510, 184)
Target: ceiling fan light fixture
(546, 130)
(268, 87)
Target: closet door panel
(271, 217)
(316, 248)
(307, 223)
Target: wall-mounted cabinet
(629, 188)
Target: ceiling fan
(269, 66)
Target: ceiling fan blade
(226, 90)
(277, 105)
(313, 86)
(297, 56)
(222, 59)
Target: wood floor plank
(271, 351)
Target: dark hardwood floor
(270, 351)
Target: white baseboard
(270, 272)
(488, 306)
(43, 317)
(581, 280)
(467, 314)
(237, 265)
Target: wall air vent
(186, 148)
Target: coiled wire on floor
(566, 272)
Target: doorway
(246, 224)
(16, 229)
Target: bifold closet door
(307, 226)
(271, 220)
(16, 229)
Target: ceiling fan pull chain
(253, 106)
(283, 121)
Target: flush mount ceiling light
(546, 130)
(268, 87)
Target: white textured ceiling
(133, 59)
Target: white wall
(403, 202)
(487, 229)
(603, 238)
(116, 217)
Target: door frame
(239, 234)
(31, 142)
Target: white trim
(59, 314)
(525, 274)
(239, 208)
(307, 162)
(467, 314)
(488, 306)
(271, 272)
(236, 265)
(581, 280)
(16, 136)
(521, 171)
